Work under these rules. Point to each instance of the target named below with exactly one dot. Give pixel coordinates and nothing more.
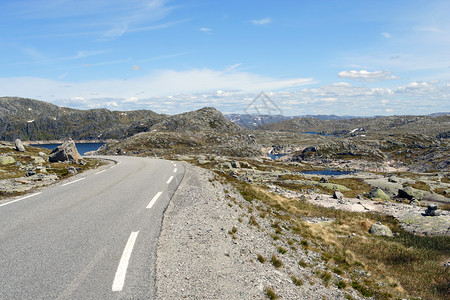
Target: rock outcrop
(65, 152)
(19, 146)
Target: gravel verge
(208, 249)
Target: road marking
(119, 279)
(99, 172)
(154, 200)
(175, 170)
(73, 181)
(20, 199)
(170, 179)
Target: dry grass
(406, 265)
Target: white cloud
(136, 68)
(205, 29)
(386, 34)
(364, 75)
(262, 21)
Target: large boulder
(19, 145)
(378, 193)
(410, 193)
(65, 152)
(7, 160)
(380, 229)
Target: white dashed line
(175, 170)
(170, 179)
(20, 199)
(73, 181)
(154, 200)
(121, 272)
(99, 172)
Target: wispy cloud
(262, 21)
(364, 75)
(205, 29)
(386, 34)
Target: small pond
(275, 156)
(328, 172)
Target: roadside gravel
(199, 256)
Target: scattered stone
(378, 193)
(7, 160)
(359, 197)
(38, 160)
(19, 145)
(227, 165)
(42, 154)
(65, 152)
(414, 202)
(236, 164)
(393, 179)
(410, 193)
(323, 180)
(338, 195)
(72, 170)
(30, 173)
(432, 210)
(380, 229)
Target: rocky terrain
(202, 131)
(301, 226)
(24, 168)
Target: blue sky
(310, 57)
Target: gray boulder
(432, 210)
(65, 152)
(236, 164)
(378, 193)
(6, 160)
(19, 145)
(72, 170)
(338, 195)
(380, 229)
(410, 193)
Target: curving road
(93, 237)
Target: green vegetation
(276, 262)
(270, 292)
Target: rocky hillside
(198, 132)
(429, 125)
(29, 119)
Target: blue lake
(81, 147)
(328, 172)
(275, 156)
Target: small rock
(30, 173)
(72, 170)
(380, 229)
(414, 202)
(19, 145)
(42, 154)
(393, 179)
(338, 195)
(236, 164)
(323, 180)
(432, 210)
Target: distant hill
(437, 124)
(33, 120)
(254, 121)
(30, 119)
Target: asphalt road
(92, 237)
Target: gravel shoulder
(208, 249)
